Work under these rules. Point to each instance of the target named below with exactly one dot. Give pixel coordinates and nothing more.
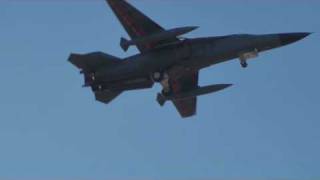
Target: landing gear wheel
(244, 64)
(157, 76)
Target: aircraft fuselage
(168, 59)
(194, 54)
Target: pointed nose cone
(291, 37)
(224, 86)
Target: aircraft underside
(167, 58)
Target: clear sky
(265, 126)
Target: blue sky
(265, 126)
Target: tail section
(89, 63)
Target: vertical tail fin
(93, 61)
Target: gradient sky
(265, 126)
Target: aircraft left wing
(185, 82)
(137, 24)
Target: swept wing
(137, 24)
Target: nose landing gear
(243, 63)
(246, 56)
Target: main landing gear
(162, 78)
(163, 96)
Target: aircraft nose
(289, 38)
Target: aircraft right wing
(186, 81)
(137, 24)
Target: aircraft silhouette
(168, 59)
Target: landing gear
(164, 96)
(161, 99)
(244, 64)
(246, 56)
(163, 79)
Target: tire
(244, 64)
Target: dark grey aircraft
(167, 58)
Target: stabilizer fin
(106, 96)
(92, 61)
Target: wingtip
(192, 28)
(226, 85)
(72, 57)
(124, 44)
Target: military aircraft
(167, 58)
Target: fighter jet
(168, 58)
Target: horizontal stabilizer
(93, 61)
(106, 96)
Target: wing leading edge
(137, 24)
